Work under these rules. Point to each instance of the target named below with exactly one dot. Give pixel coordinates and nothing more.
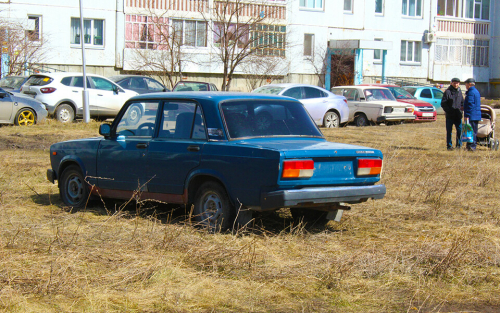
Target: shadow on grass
(408, 148)
(273, 222)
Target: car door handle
(75, 90)
(99, 95)
(193, 148)
(141, 146)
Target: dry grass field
(431, 245)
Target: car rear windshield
(190, 86)
(11, 82)
(38, 80)
(378, 95)
(270, 90)
(254, 118)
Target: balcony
(451, 25)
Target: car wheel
(65, 113)
(25, 117)
(212, 207)
(331, 120)
(263, 121)
(361, 120)
(134, 115)
(73, 188)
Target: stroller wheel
(496, 145)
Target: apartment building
(424, 41)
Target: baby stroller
(486, 128)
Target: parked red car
(424, 111)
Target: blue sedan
(431, 95)
(212, 150)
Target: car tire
(73, 188)
(331, 120)
(361, 120)
(65, 113)
(134, 115)
(25, 117)
(212, 208)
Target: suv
(62, 95)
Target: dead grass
(432, 245)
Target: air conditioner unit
(430, 37)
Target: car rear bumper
(320, 195)
(420, 118)
(51, 175)
(389, 118)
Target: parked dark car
(194, 86)
(139, 84)
(13, 83)
(206, 149)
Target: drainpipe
(328, 75)
(119, 34)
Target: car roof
(64, 74)
(290, 85)
(379, 85)
(361, 87)
(421, 87)
(214, 96)
(123, 76)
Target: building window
(478, 9)
(377, 53)
(190, 33)
(311, 4)
(33, 29)
(462, 51)
(348, 5)
(410, 51)
(268, 39)
(449, 8)
(308, 45)
(230, 35)
(93, 32)
(449, 50)
(412, 8)
(379, 6)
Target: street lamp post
(86, 111)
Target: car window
(311, 93)
(295, 92)
(138, 83)
(351, 94)
(138, 120)
(78, 82)
(191, 86)
(66, 81)
(38, 80)
(337, 91)
(253, 118)
(400, 93)
(411, 90)
(11, 82)
(438, 94)
(426, 93)
(214, 88)
(182, 120)
(102, 84)
(270, 90)
(153, 85)
(378, 95)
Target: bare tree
(342, 65)
(242, 28)
(24, 49)
(262, 70)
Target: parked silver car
(20, 110)
(326, 108)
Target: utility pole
(86, 111)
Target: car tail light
(388, 110)
(298, 169)
(409, 110)
(345, 100)
(47, 89)
(369, 167)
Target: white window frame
(311, 48)
(313, 5)
(477, 9)
(383, 7)
(196, 23)
(380, 51)
(92, 32)
(37, 19)
(414, 46)
(406, 8)
(350, 8)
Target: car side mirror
(105, 130)
(3, 95)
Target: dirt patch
(27, 142)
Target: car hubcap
(26, 118)
(212, 208)
(64, 115)
(75, 188)
(133, 114)
(332, 121)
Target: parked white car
(326, 108)
(61, 93)
(374, 105)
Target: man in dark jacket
(472, 109)
(452, 104)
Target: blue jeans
(472, 145)
(450, 121)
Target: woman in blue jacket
(472, 109)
